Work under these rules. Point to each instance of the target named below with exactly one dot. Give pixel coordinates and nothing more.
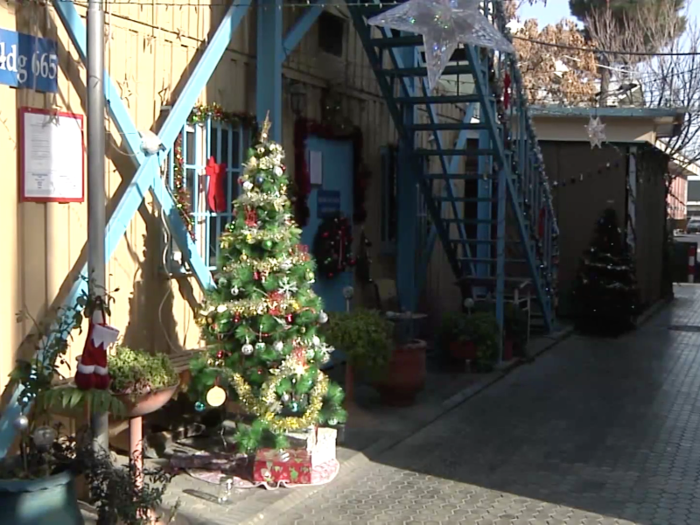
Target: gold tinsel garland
(260, 407)
(252, 307)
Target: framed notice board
(51, 156)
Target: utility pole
(96, 176)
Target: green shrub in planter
(454, 327)
(364, 335)
(484, 331)
(136, 372)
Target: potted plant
(397, 370)
(484, 331)
(143, 382)
(43, 471)
(515, 321)
(45, 466)
(455, 335)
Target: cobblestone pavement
(593, 432)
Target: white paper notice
(315, 168)
(53, 158)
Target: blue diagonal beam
(301, 27)
(147, 176)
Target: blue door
(336, 163)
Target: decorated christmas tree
(606, 292)
(260, 323)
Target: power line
(607, 51)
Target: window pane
(223, 153)
(189, 146)
(213, 140)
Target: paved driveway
(592, 432)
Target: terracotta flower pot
(148, 403)
(463, 350)
(405, 376)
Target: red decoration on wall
(302, 129)
(216, 193)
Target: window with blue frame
(225, 143)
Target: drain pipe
(96, 176)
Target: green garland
(199, 115)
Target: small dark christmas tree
(606, 291)
(261, 322)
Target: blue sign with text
(28, 61)
(328, 203)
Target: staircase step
(438, 99)
(491, 279)
(488, 260)
(469, 221)
(459, 176)
(447, 126)
(398, 41)
(480, 241)
(423, 72)
(442, 198)
(471, 152)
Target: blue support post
(407, 202)
(501, 256)
(147, 176)
(301, 27)
(270, 56)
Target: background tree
(552, 75)
(606, 292)
(618, 22)
(261, 321)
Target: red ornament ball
(290, 318)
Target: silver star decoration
(596, 132)
(444, 25)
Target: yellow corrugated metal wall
(151, 49)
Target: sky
(555, 10)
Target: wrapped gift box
(324, 450)
(284, 466)
(304, 439)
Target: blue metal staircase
(487, 196)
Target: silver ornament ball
(279, 346)
(43, 437)
(323, 317)
(285, 398)
(21, 423)
(247, 349)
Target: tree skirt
(322, 474)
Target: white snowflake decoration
(596, 132)
(287, 287)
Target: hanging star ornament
(444, 25)
(596, 132)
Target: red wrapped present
(286, 466)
